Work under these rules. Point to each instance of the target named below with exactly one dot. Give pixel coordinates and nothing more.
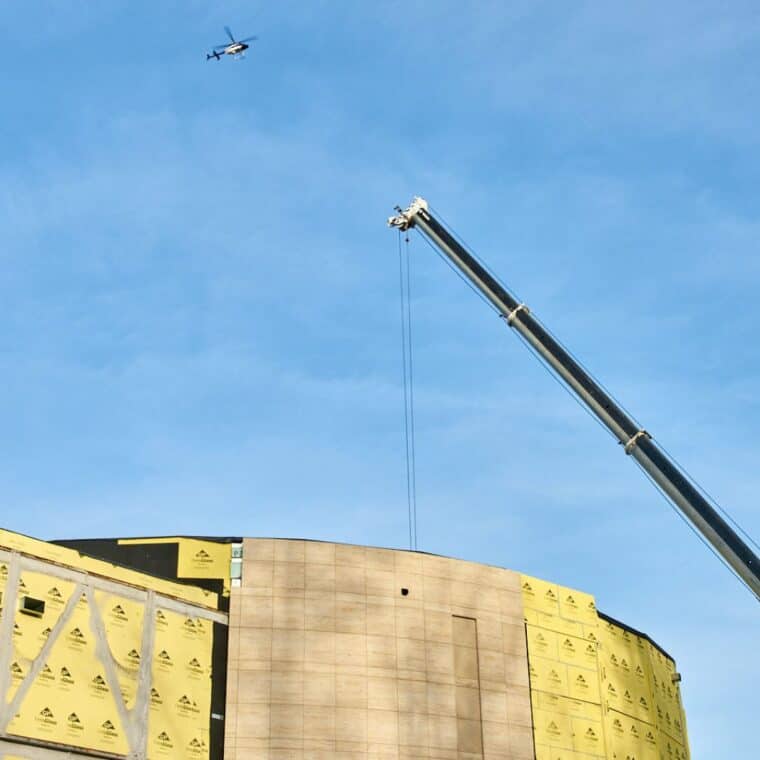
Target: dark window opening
(31, 606)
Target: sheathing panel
(105, 669)
(597, 688)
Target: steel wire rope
(714, 502)
(402, 293)
(554, 375)
(409, 346)
(527, 345)
(693, 529)
(514, 295)
(459, 274)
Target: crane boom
(636, 441)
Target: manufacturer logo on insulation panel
(133, 655)
(570, 602)
(3, 571)
(161, 620)
(16, 671)
(196, 747)
(99, 685)
(203, 557)
(553, 729)
(46, 674)
(46, 717)
(55, 596)
(164, 740)
(45, 633)
(194, 666)
(187, 706)
(118, 613)
(77, 637)
(108, 729)
(74, 722)
(164, 658)
(155, 697)
(66, 677)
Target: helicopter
(235, 48)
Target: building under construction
(271, 648)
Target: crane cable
(407, 362)
(553, 374)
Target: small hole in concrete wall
(404, 592)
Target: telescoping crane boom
(636, 441)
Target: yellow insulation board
(196, 558)
(30, 633)
(70, 558)
(597, 689)
(71, 701)
(564, 671)
(641, 698)
(123, 621)
(178, 722)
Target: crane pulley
(637, 443)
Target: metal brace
(631, 445)
(513, 314)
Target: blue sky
(200, 300)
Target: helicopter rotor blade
(229, 33)
(248, 39)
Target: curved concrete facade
(340, 651)
(350, 652)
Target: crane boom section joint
(666, 474)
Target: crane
(636, 441)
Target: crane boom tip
(405, 218)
